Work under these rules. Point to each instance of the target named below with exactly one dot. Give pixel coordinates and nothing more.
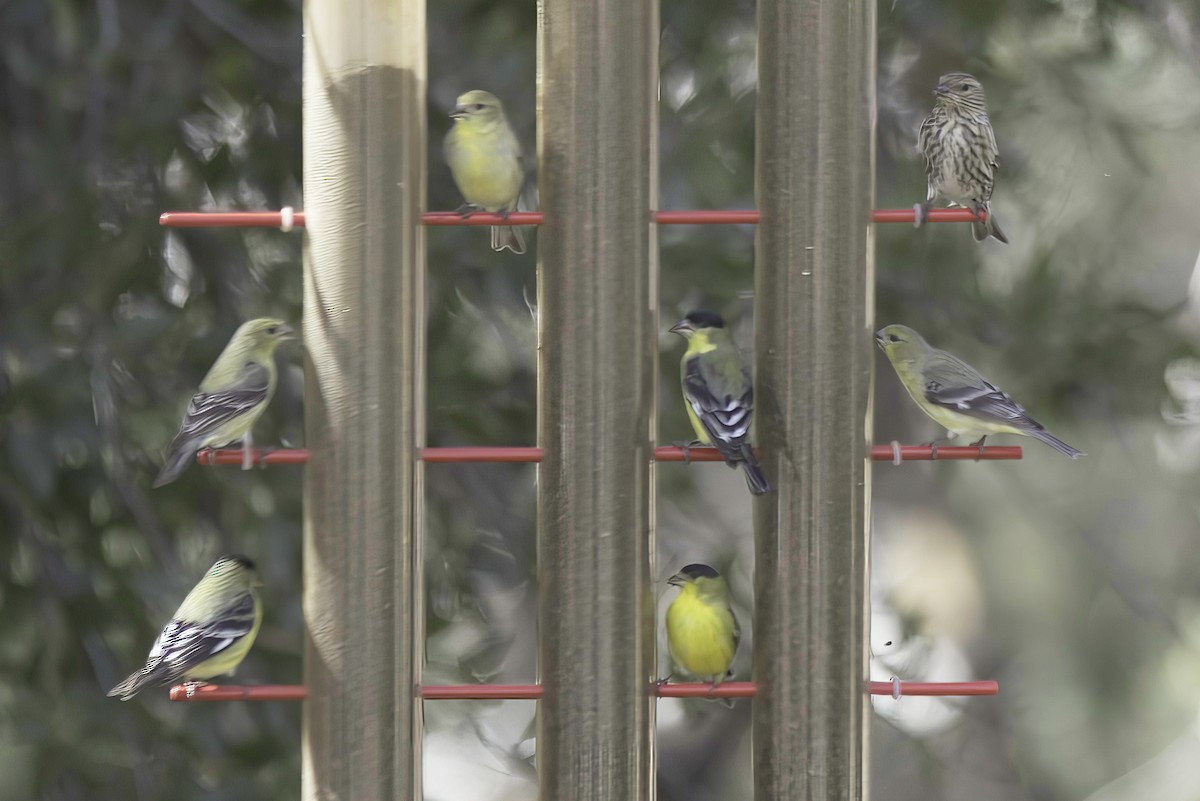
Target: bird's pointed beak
(879, 339)
(941, 89)
(286, 332)
(458, 112)
(680, 327)
(676, 580)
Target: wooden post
(364, 186)
(597, 98)
(814, 285)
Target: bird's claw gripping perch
(686, 447)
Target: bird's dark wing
(208, 411)
(953, 384)
(722, 396)
(184, 644)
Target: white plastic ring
(287, 218)
(896, 456)
(896, 688)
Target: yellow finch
(231, 398)
(209, 634)
(702, 632)
(955, 395)
(961, 157)
(485, 161)
(719, 393)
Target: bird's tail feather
(130, 687)
(756, 480)
(179, 456)
(982, 230)
(1056, 443)
(508, 236)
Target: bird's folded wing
(725, 415)
(184, 644)
(985, 402)
(208, 411)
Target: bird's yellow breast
(700, 635)
(485, 168)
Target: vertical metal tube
(597, 98)
(814, 286)
(364, 185)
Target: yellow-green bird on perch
(231, 398)
(209, 635)
(485, 160)
(719, 394)
(955, 395)
(702, 631)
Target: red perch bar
(532, 692)
(275, 219)
(472, 455)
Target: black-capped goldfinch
(702, 632)
(719, 393)
(955, 395)
(209, 634)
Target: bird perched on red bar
(955, 395)
(719, 394)
(961, 157)
(231, 398)
(702, 631)
(209, 634)
(485, 160)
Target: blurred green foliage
(1073, 584)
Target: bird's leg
(248, 450)
(665, 679)
(979, 444)
(686, 447)
(190, 687)
(262, 463)
(933, 449)
(921, 210)
(712, 689)
(465, 210)
(504, 214)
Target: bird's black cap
(704, 319)
(695, 571)
(237, 557)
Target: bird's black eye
(478, 107)
(273, 329)
(964, 87)
(893, 338)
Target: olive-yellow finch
(231, 398)
(485, 161)
(702, 632)
(719, 393)
(209, 635)
(955, 395)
